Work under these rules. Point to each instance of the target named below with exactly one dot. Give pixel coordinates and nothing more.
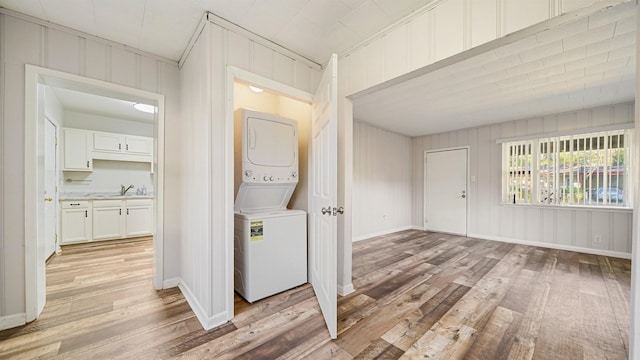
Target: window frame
(523, 181)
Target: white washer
(270, 242)
(270, 252)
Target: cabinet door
(76, 150)
(107, 142)
(138, 145)
(139, 221)
(108, 223)
(76, 225)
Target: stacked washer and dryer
(270, 241)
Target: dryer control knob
(294, 174)
(271, 178)
(247, 173)
(266, 178)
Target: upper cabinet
(107, 142)
(77, 150)
(138, 145)
(110, 143)
(82, 146)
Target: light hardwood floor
(419, 295)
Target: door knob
(48, 199)
(337, 211)
(326, 211)
(464, 196)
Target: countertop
(101, 196)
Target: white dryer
(270, 241)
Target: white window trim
(534, 169)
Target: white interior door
(323, 195)
(50, 193)
(446, 191)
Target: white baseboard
(617, 254)
(171, 283)
(11, 321)
(344, 290)
(386, 232)
(207, 322)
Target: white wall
(444, 29)
(26, 41)
(107, 176)
(207, 228)
(551, 226)
(382, 181)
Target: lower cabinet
(139, 217)
(75, 221)
(108, 222)
(83, 221)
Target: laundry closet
(271, 191)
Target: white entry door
(50, 193)
(323, 187)
(446, 194)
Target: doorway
(322, 269)
(37, 79)
(446, 191)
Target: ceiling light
(255, 89)
(145, 108)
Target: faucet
(123, 191)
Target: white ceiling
(312, 28)
(100, 105)
(583, 63)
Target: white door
(324, 196)
(50, 193)
(446, 191)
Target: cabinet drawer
(138, 202)
(107, 203)
(74, 204)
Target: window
(588, 169)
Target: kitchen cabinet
(77, 150)
(138, 145)
(108, 219)
(108, 142)
(81, 147)
(93, 220)
(121, 144)
(139, 217)
(75, 221)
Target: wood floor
(419, 295)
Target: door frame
(237, 74)
(34, 77)
(424, 183)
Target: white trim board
(11, 321)
(386, 232)
(207, 322)
(346, 289)
(610, 253)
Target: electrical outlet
(597, 239)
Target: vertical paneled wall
(443, 29)
(206, 243)
(488, 218)
(382, 181)
(23, 41)
(196, 231)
